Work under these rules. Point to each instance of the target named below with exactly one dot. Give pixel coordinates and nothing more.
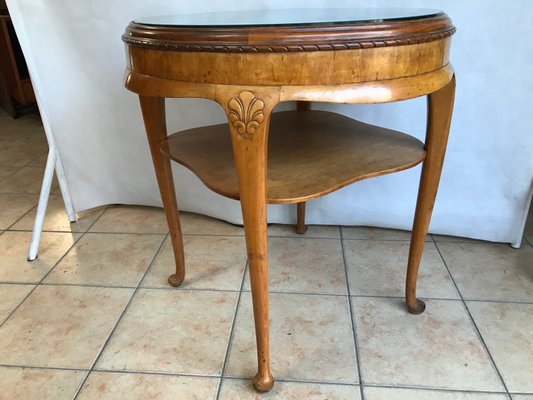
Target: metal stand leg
(53, 163)
(43, 203)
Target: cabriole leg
(440, 107)
(153, 110)
(248, 114)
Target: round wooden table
(251, 61)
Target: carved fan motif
(246, 113)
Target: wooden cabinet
(16, 91)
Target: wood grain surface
(310, 154)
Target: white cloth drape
(76, 60)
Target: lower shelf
(310, 154)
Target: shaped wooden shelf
(310, 154)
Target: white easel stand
(53, 162)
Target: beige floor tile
(508, 332)
(372, 393)
(310, 339)
(14, 206)
(203, 225)
(26, 180)
(172, 331)
(6, 171)
(378, 268)
(305, 265)
(21, 133)
(56, 217)
(39, 161)
(438, 349)
(14, 249)
(61, 326)
(20, 153)
(522, 396)
(211, 262)
(10, 297)
(313, 231)
(486, 271)
(27, 126)
(131, 219)
(107, 259)
(39, 384)
(113, 386)
(366, 232)
(238, 389)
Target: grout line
(318, 382)
(86, 285)
(120, 317)
(186, 289)
(23, 215)
(352, 295)
(430, 388)
(474, 322)
(231, 333)
(159, 373)
(82, 234)
(162, 233)
(45, 275)
(151, 265)
(352, 319)
(9, 228)
(37, 284)
(39, 156)
(291, 380)
(87, 231)
(497, 301)
(407, 241)
(228, 234)
(27, 165)
(44, 367)
(26, 193)
(192, 289)
(10, 175)
(95, 285)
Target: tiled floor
(94, 318)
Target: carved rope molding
(160, 44)
(246, 113)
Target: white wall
(76, 60)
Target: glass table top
(290, 17)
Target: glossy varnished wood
(310, 154)
(290, 55)
(153, 110)
(301, 227)
(249, 71)
(318, 68)
(440, 107)
(249, 115)
(357, 92)
(289, 38)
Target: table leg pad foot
(263, 384)
(301, 229)
(174, 280)
(417, 308)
